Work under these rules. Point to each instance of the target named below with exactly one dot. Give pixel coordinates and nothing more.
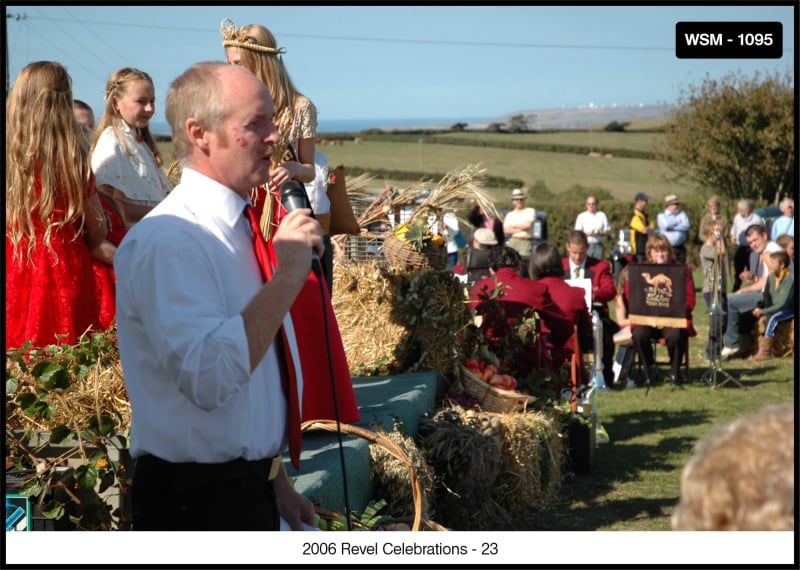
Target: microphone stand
(715, 325)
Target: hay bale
(393, 321)
(533, 457)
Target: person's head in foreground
(741, 477)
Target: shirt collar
(212, 198)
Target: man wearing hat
(518, 225)
(640, 227)
(673, 223)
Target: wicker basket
(400, 255)
(393, 449)
(493, 399)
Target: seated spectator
(742, 221)
(742, 302)
(518, 294)
(659, 251)
(741, 476)
(546, 268)
(778, 302)
(787, 243)
(476, 258)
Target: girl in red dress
(255, 48)
(54, 220)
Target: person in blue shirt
(784, 224)
(673, 224)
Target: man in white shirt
(518, 225)
(746, 298)
(197, 322)
(594, 224)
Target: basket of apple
(494, 390)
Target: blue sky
(404, 62)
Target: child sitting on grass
(778, 302)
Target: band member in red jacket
(578, 265)
(519, 293)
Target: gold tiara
(237, 37)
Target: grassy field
(622, 177)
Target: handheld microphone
(293, 196)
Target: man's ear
(198, 134)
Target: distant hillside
(580, 118)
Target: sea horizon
(358, 125)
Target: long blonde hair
(115, 89)
(268, 67)
(44, 152)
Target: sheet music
(586, 284)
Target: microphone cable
(293, 196)
(324, 296)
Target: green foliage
(39, 384)
(735, 136)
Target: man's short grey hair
(786, 202)
(744, 203)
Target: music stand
(715, 324)
(657, 299)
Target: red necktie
(288, 374)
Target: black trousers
(236, 495)
(676, 341)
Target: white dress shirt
(184, 274)
(587, 222)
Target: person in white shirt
(594, 224)
(784, 224)
(317, 191)
(518, 225)
(197, 322)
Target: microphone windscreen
(294, 196)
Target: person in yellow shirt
(641, 227)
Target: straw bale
(393, 321)
(533, 456)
